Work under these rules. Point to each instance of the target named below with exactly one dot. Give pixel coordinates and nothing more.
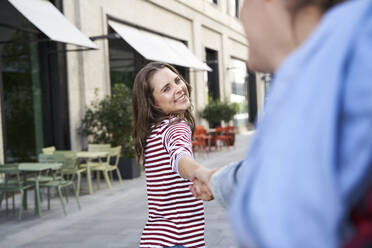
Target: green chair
(72, 169)
(49, 150)
(12, 183)
(107, 168)
(96, 164)
(58, 181)
(49, 176)
(99, 147)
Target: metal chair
(221, 136)
(12, 183)
(72, 169)
(99, 147)
(49, 150)
(107, 168)
(58, 180)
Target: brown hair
(145, 112)
(324, 5)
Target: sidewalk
(109, 219)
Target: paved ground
(109, 219)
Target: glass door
(33, 89)
(23, 135)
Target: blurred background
(59, 56)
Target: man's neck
(304, 22)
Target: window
(239, 91)
(266, 77)
(234, 8)
(252, 97)
(122, 62)
(213, 1)
(212, 76)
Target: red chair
(201, 139)
(201, 132)
(222, 136)
(198, 145)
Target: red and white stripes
(174, 215)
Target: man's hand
(200, 189)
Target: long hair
(145, 113)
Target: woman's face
(169, 91)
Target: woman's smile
(182, 98)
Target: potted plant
(212, 113)
(228, 112)
(109, 121)
(217, 111)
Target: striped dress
(174, 215)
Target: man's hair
(322, 4)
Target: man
(310, 160)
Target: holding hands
(201, 189)
(199, 175)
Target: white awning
(46, 17)
(158, 48)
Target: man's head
(274, 28)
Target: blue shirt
(311, 157)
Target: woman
(310, 161)
(163, 126)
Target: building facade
(56, 80)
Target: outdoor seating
(49, 150)
(231, 134)
(202, 140)
(12, 183)
(107, 168)
(89, 165)
(72, 168)
(93, 157)
(97, 148)
(221, 137)
(57, 179)
(46, 176)
(197, 145)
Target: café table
(89, 165)
(38, 168)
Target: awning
(46, 17)
(158, 48)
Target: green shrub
(109, 121)
(217, 111)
